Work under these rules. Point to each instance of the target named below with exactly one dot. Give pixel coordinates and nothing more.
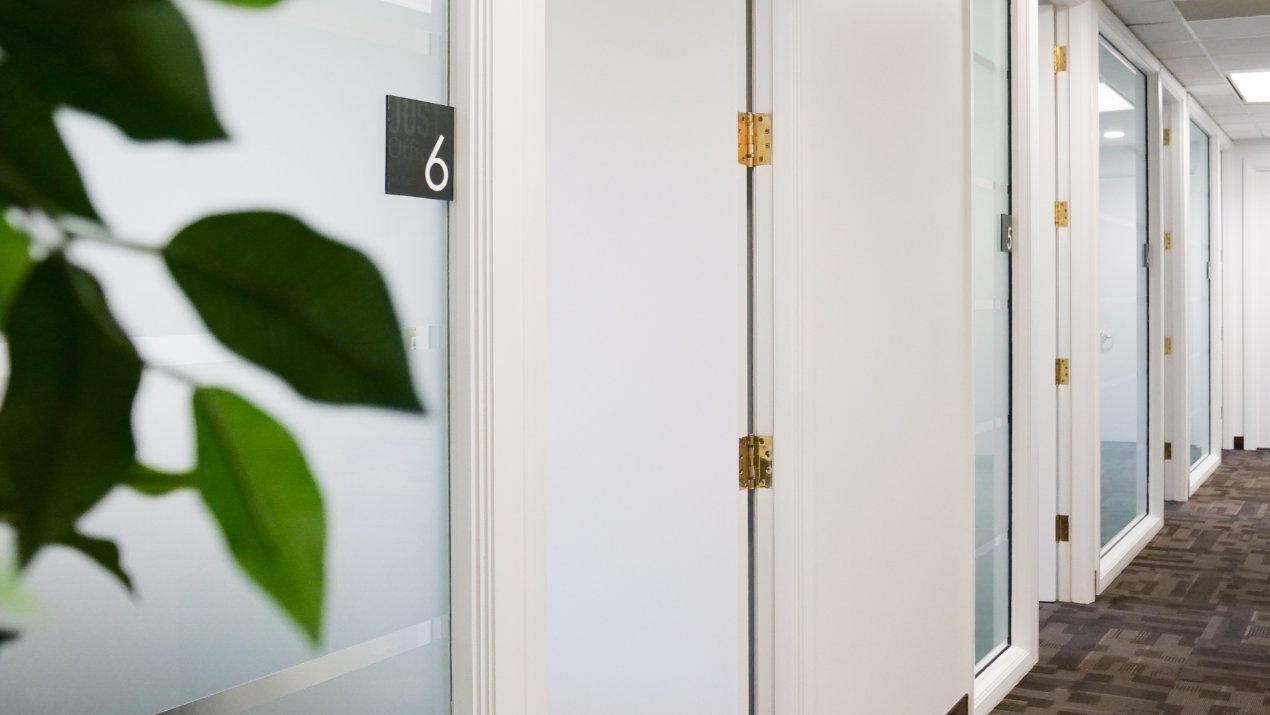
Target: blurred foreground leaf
(254, 479)
(66, 423)
(313, 311)
(133, 62)
(104, 552)
(154, 483)
(15, 264)
(36, 170)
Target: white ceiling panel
(1231, 29)
(1201, 52)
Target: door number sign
(419, 149)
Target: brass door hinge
(1168, 450)
(1060, 214)
(1168, 346)
(1060, 58)
(753, 139)
(1168, 137)
(1168, 241)
(1063, 527)
(756, 462)
(1062, 371)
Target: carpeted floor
(1185, 629)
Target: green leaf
(66, 423)
(15, 264)
(154, 483)
(104, 552)
(133, 62)
(313, 311)
(254, 479)
(36, 170)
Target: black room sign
(419, 149)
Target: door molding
(1032, 367)
(498, 291)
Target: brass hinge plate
(1168, 346)
(1168, 450)
(1168, 241)
(1063, 527)
(1060, 58)
(1060, 214)
(753, 139)
(1168, 137)
(755, 462)
(1062, 371)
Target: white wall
(1245, 302)
(644, 240)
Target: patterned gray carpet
(1185, 629)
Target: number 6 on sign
(440, 164)
(418, 148)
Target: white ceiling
(1201, 41)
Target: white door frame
(1195, 476)
(1032, 354)
(498, 291)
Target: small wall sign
(419, 149)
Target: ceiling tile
(1214, 9)
(1144, 13)
(1238, 46)
(1243, 63)
(1189, 65)
(1174, 50)
(1162, 32)
(1231, 29)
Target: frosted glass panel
(1198, 296)
(1122, 291)
(991, 327)
(301, 90)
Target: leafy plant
(313, 311)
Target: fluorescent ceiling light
(1113, 135)
(1252, 86)
(1109, 100)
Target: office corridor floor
(1185, 629)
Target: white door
(874, 486)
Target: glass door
(993, 234)
(1122, 292)
(1198, 299)
(301, 89)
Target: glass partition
(301, 89)
(1122, 291)
(1198, 297)
(992, 326)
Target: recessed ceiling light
(1109, 100)
(1113, 135)
(1252, 86)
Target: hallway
(1186, 627)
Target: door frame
(1092, 570)
(1193, 477)
(1032, 370)
(497, 352)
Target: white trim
(1175, 211)
(1202, 470)
(1124, 551)
(1081, 485)
(497, 308)
(998, 679)
(1043, 307)
(1032, 373)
